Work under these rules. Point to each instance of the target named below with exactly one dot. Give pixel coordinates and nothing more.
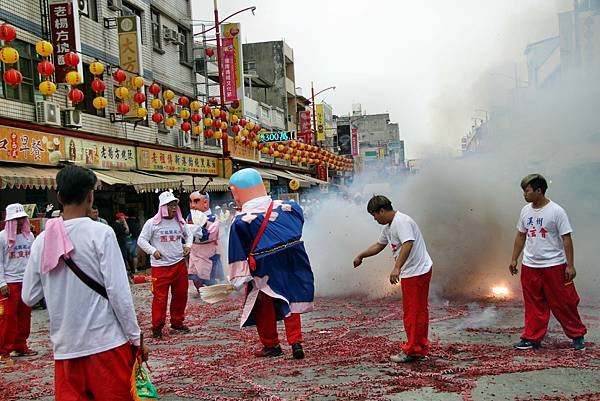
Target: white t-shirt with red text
(13, 261)
(402, 229)
(544, 229)
(168, 238)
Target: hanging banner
(32, 147)
(64, 28)
(354, 140)
(304, 134)
(175, 162)
(130, 57)
(320, 110)
(322, 172)
(233, 73)
(100, 155)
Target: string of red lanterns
(9, 55)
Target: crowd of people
(78, 264)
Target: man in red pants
(94, 332)
(268, 259)
(161, 238)
(547, 267)
(15, 316)
(412, 269)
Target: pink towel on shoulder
(163, 212)
(11, 232)
(56, 244)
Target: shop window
(156, 32)
(184, 56)
(87, 105)
(26, 92)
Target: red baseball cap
(121, 215)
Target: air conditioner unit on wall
(84, 7)
(72, 118)
(185, 139)
(175, 36)
(47, 113)
(115, 5)
(166, 33)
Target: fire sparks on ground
(500, 292)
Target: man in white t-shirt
(161, 238)
(547, 271)
(95, 337)
(15, 316)
(412, 269)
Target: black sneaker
(183, 328)
(578, 344)
(268, 352)
(297, 351)
(157, 333)
(403, 358)
(526, 344)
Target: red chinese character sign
(354, 140)
(64, 28)
(232, 62)
(304, 134)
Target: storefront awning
(303, 183)
(308, 178)
(264, 174)
(218, 184)
(22, 177)
(141, 182)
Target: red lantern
(235, 104)
(271, 151)
(209, 52)
(185, 126)
(216, 123)
(223, 115)
(75, 95)
(209, 133)
(213, 101)
(139, 97)
(183, 101)
(196, 118)
(154, 89)
(224, 136)
(206, 109)
(256, 128)
(236, 129)
(157, 118)
(169, 108)
(71, 59)
(119, 75)
(122, 108)
(45, 68)
(13, 77)
(8, 33)
(98, 85)
(243, 122)
(252, 135)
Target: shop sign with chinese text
(242, 152)
(175, 162)
(31, 147)
(100, 155)
(64, 28)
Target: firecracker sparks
(500, 292)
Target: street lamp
(219, 56)
(313, 94)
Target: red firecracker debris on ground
(348, 343)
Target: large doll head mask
(199, 201)
(246, 185)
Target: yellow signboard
(175, 162)
(24, 146)
(241, 151)
(100, 155)
(320, 110)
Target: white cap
(15, 211)
(166, 197)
